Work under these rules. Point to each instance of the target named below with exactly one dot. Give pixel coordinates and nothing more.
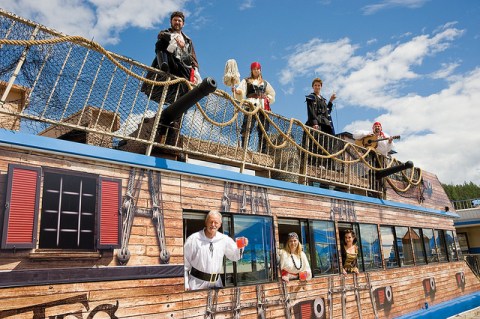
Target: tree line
(462, 192)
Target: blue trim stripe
(67, 148)
(474, 250)
(467, 222)
(446, 309)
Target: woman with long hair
(350, 253)
(293, 261)
(260, 93)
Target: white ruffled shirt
(269, 92)
(286, 263)
(383, 147)
(177, 51)
(198, 255)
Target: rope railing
(466, 203)
(70, 87)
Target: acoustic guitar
(371, 141)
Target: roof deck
(72, 89)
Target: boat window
(404, 245)
(451, 250)
(324, 244)
(418, 247)
(389, 247)
(370, 246)
(257, 262)
(457, 244)
(429, 244)
(68, 211)
(256, 265)
(286, 226)
(441, 245)
(342, 227)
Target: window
(462, 241)
(257, 264)
(429, 244)
(370, 246)
(389, 247)
(451, 249)
(418, 247)
(441, 246)
(342, 227)
(325, 256)
(404, 246)
(68, 211)
(286, 226)
(79, 211)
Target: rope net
(68, 87)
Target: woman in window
(350, 253)
(293, 261)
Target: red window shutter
(110, 220)
(20, 220)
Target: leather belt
(256, 96)
(212, 278)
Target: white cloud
(101, 20)
(370, 80)
(438, 129)
(445, 71)
(387, 4)
(246, 4)
(322, 57)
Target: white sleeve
(243, 88)
(360, 134)
(270, 92)
(306, 266)
(231, 250)
(283, 260)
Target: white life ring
(388, 294)
(319, 307)
(432, 284)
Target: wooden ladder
(344, 288)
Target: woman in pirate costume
(260, 93)
(293, 260)
(350, 253)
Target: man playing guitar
(378, 140)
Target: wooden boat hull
(38, 284)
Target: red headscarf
(378, 123)
(255, 65)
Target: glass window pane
(389, 249)
(441, 246)
(256, 264)
(370, 246)
(418, 247)
(459, 248)
(430, 247)
(452, 252)
(325, 259)
(404, 246)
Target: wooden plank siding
(147, 297)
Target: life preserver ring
(388, 295)
(319, 307)
(432, 284)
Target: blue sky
(411, 64)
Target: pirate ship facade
(97, 206)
